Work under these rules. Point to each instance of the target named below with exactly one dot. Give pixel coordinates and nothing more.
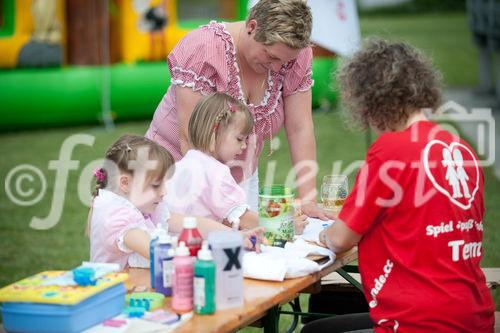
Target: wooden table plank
(259, 297)
(492, 275)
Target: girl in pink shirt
(218, 131)
(203, 184)
(128, 205)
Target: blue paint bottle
(154, 239)
(163, 269)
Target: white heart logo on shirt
(457, 180)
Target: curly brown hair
(384, 83)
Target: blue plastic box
(50, 318)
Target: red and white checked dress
(205, 60)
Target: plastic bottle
(227, 250)
(276, 214)
(204, 281)
(182, 298)
(154, 238)
(175, 241)
(191, 236)
(163, 254)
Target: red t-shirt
(418, 203)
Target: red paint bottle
(191, 236)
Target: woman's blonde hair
(282, 21)
(212, 115)
(128, 154)
(384, 83)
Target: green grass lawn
(445, 38)
(25, 251)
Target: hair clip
(232, 108)
(100, 174)
(128, 148)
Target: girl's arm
(204, 225)
(339, 237)
(137, 240)
(249, 220)
(300, 223)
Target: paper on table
(133, 325)
(130, 325)
(276, 264)
(312, 230)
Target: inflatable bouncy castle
(67, 62)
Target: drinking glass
(334, 191)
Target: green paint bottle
(204, 281)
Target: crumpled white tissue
(312, 230)
(276, 264)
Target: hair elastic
(232, 108)
(100, 175)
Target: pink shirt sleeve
(224, 194)
(116, 225)
(298, 76)
(198, 62)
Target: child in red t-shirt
(417, 207)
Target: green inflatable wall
(39, 98)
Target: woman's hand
(312, 209)
(253, 238)
(300, 223)
(331, 214)
(322, 238)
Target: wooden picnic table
(261, 299)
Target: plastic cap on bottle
(163, 225)
(157, 231)
(175, 241)
(204, 253)
(189, 223)
(163, 237)
(182, 250)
